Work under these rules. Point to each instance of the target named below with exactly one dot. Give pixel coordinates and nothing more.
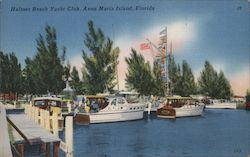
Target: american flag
(144, 46)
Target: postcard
(125, 68)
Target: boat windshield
(179, 102)
(131, 97)
(47, 103)
(97, 102)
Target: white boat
(221, 104)
(110, 109)
(151, 104)
(174, 107)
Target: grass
(241, 106)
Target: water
(218, 133)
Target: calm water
(218, 133)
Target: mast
(116, 69)
(170, 62)
(164, 59)
(164, 44)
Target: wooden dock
(32, 133)
(5, 149)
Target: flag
(163, 32)
(144, 46)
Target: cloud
(77, 61)
(240, 82)
(179, 32)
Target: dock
(29, 132)
(5, 148)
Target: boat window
(120, 101)
(113, 102)
(39, 103)
(132, 98)
(52, 103)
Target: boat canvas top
(177, 98)
(47, 98)
(127, 93)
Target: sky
(213, 30)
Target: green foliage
(66, 71)
(188, 81)
(172, 71)
(75, 83)
(223, 87)
(174, 74)
(100, 65)
(158, 84)
(248, 96)
(183, 82)
(139, 76)
(45, 71)
(10, 74)
(207, 80)
(213, 84)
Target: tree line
(47, 71)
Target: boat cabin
(131, 97)
(95, 103)
(47, 102)
(177, 101)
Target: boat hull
(190, 110)
(184, 111)
(222, 106)
(106, 117)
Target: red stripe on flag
(144, 46)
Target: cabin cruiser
(221, 104)
(101, 109)
(151, 103)
(53, 105)
(177, 106)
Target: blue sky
(215, 30)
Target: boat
(54, 105)
(221, 104)
(108, 109)
(151, 103)
(176, 106)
